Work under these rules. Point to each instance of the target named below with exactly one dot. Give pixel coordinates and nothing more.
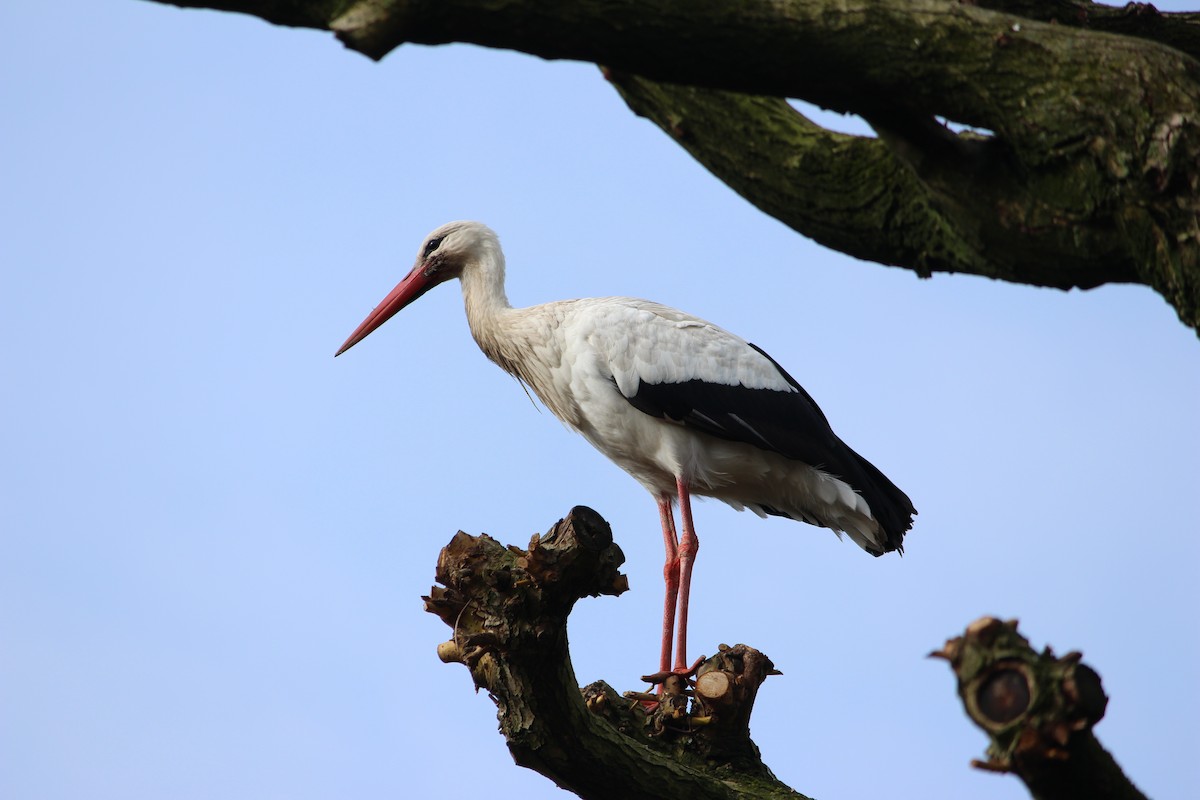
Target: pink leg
(688, 546)
(670, 577)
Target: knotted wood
(1038, 711)
(507, 608)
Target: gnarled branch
(1087, 169)
(508, 610)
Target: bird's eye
(432, 245)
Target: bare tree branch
(1180, 30)
(1085, 169)
(850, 193)
(508, 611)
(1038, 710)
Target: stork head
(444, 254)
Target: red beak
(413, 286)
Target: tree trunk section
(508, 609)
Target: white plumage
(682, 405)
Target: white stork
(683, 406)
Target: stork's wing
(786, 421)
(672, 365)
(705, 378)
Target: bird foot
(660, 677)
(711, 699)
(674, 687)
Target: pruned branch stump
(1038, 710)
(507, 608)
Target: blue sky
(215, 536)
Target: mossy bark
(1086, 169)
(1038, 710)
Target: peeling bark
(1038, 711)
(508, 611)
(1087, 171)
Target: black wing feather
(788, 423)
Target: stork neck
(484, 296)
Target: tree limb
(1087, 170)
(1180, 30)
(850, 193)
(1038, 711)
(508, 609)
(949, 203)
